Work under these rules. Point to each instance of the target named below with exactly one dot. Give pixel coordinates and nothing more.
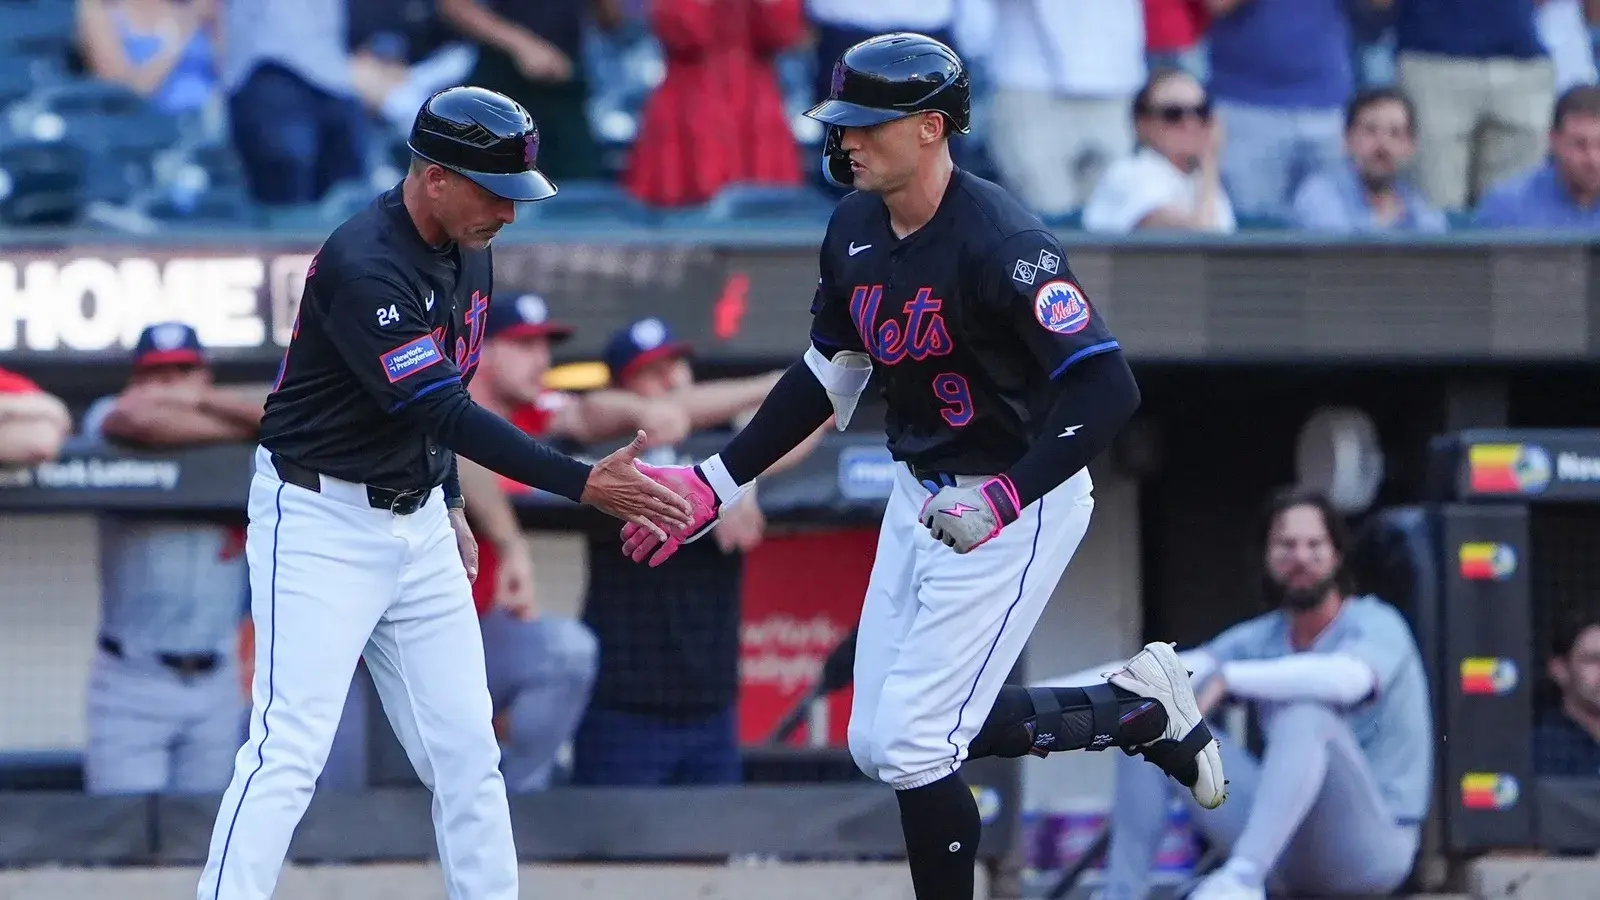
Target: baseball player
(1335, 803)
(1001, 383)
(165, 710)
(357, 544)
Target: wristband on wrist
(716, 474)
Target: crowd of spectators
(1324, 115)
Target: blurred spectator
(297, 125)
(664, 704)
(1566, 740)
(1063, 82)
(1335, 803)
(1564, 29)
(401, 54)
(840, 24)
(1281, 74)
(1367, 192)
(33, 424)
(1563, 192)
(162, 49)
(1482, 83)
(165, 711)
(1173, 30)
(541, 666)
(718, 116)
(1172, 180)
(532, 51)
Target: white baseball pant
(333, 580)
(940, 631)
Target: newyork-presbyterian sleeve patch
(410, 358)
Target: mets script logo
(921, 335)
(1061, 307)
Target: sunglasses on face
(1173, 114)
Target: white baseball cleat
(1222, 885)
(1186, 750)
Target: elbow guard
(844, 378)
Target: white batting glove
(965, 518)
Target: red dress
(1172, 26)
(718, 116)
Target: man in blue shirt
(1366, 192)
(1563, 192)
(1566, 741)
(165, 707)
(1334, 804)
(1281, 74)
(1482, 81)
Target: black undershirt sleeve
(497, 445)
(1098, 396)
(452, 484)
(794, 408)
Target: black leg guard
(1177, 758)
(1042, 721)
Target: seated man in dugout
(1335, 802)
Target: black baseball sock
(941, 826)
(1017, 725)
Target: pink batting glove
(639, 542)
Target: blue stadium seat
(41, 183)
(755, 202)
(37, 28)
(347, 198)
(1261, 223)
(100, 115)
(226, 205)
(1067, 221)
(16, 76)
(1459, 219)
(579, 201)
(309, 217)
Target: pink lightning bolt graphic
(958, 509)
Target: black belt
(401, 503)
(182, 663)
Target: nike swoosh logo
(854, 249)
(1071, 430)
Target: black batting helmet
(485, 136)
(889, 77)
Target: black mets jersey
(970, 321)
(385, 319)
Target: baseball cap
(525, 316)
(168, 344)
(640, 344)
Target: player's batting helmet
(889, 77)
(485, 136)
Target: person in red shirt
(1172, 33)
(33, 424)
(718, 116)
(541, 667)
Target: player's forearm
(488, 508)
(37, 406)
(494, 443)
(475, 20)
(243, 408)
(1098, 396)
(166, 424)
(600, 416)
(714, 402)
(1335, 678)
(795, 407)
(29, 441)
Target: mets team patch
(410, 358)
(1061, 307)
